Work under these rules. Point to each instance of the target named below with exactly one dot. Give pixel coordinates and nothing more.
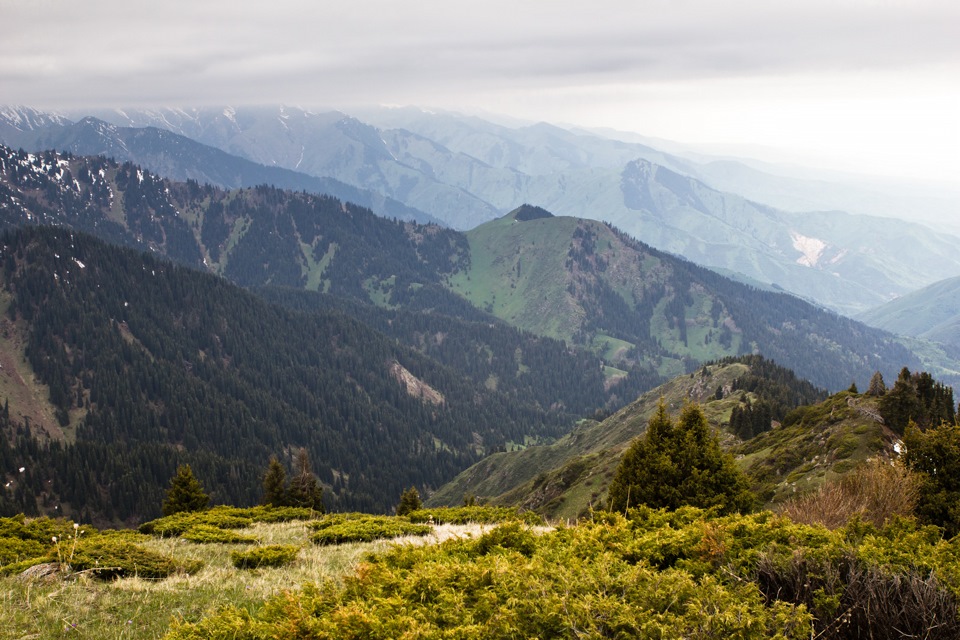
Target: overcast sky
(870, 85)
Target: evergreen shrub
(223, 517)
(274, 555)
(15, 550)
(108, 558)
(474, 515)
(207, 534)
(366, 529)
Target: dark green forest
(171, 366)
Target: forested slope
(148, 365)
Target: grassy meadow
(79, 605)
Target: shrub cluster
(25, 543)
(274, 555)
(107, 557)
(875, 492)
(656, 574)
(343, 528)
(474, 515)
(206, 534)
(222, 518)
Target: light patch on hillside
(811, 248)
(28, 398)
(414, 386)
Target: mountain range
(646, 313)
(395, 352)
(465, 171)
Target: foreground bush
(365, 529)
(509, 584)
(474, 515)
(107, 558)
(28, 542)
(658, 574)
(74, 548)
(275, 555)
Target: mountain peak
(527, 212)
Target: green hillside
(638, 308)
(567, 478)
(932, 313)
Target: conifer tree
(185, 493)
(275, 484)
(675, 465)
(305, 489)
(935, 455)
(409, 501)
(877, 386)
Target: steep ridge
(586, 282)
(465, 171)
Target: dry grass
(875, 492)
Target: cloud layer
(637, 64)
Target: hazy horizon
(868, 87)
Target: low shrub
(512, 536)
(206, 534)
(474, 515)
(279, 514)
(275, 555)
(41, 529)
(108, 558)
(17, 550)
(573, 583)
(332, 519)
(178, 523)
(223, 517)
(366, 529)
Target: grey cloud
(193, 51)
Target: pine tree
(675, 465)
(305, 489)
(935, 455)
(275, 484)
(877, 386)
(185, 493)
(409, 501)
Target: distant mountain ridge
(465, 171)
(931, 313)
(181, 158)
(648, 315)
